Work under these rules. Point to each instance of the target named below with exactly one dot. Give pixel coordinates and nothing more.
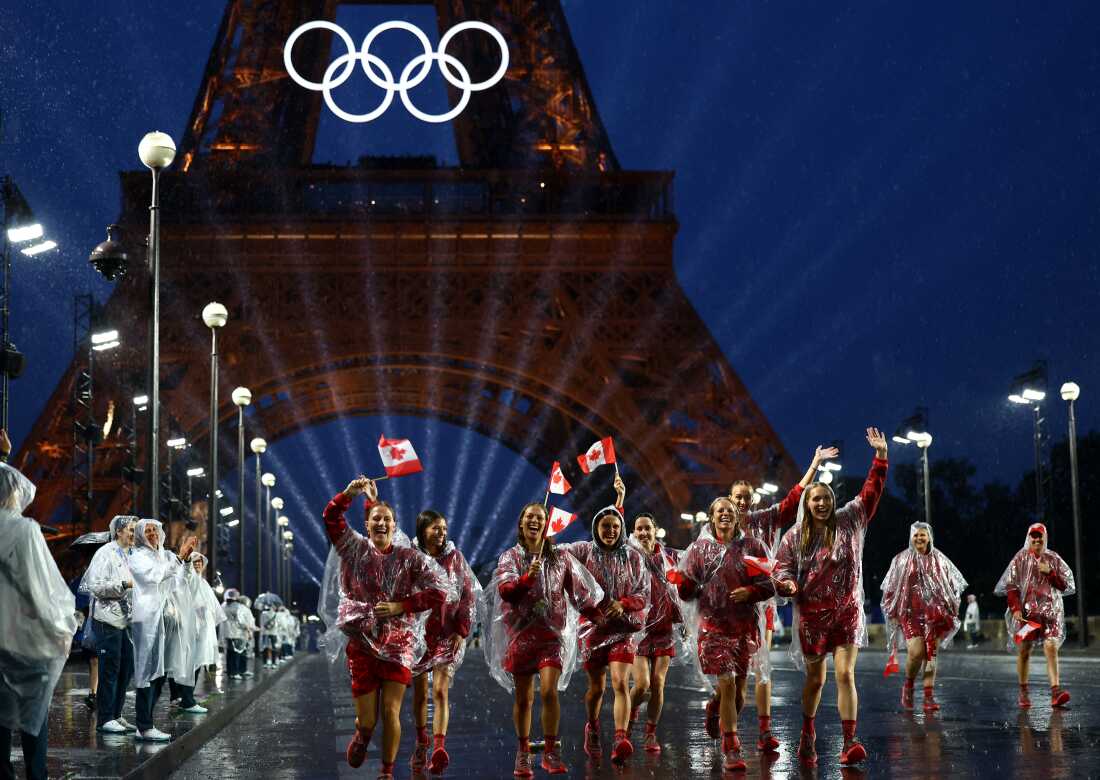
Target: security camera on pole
(242, 397)
(215, 316)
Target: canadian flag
(1026, 631)
(559, 520)
(599, 454)
(398, 456)
(757, 565)
(891, 664)
(559, 485)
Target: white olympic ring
(383, 76)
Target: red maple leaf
(595, 455)
(396, 453)
(557, 476)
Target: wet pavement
(300, 727)
(77, 750)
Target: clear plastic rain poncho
(269, 622)
(456, 617)
(164, 625)
(664, 628)
(239, 622)
(530, 618)
(728, 636)
(622, 574)
(921, 593)
(828, 607)
(767, 524)
(208, 614)
(1035, 594)
(358, 576)
(105, 579)
(37, 611)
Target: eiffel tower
(528, 294)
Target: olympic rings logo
(453, 71)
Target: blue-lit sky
(882, 205)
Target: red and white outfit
(828, 607)
(452, 617)
(921, 594)
(658, 637)
(531, 621)
(730, 634)
(1036, 595)
(379, 649)
(767, 525)
(623, 576)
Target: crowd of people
(622, 605)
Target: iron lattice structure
(529, 294)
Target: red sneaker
(622, 750)
(357, 750)
(714, 729)
(592, 741)
(651, 743)
(907, 697)
(930, 703)
(1025, 701)
(419, 758)
(385, 774)
(552, 763)
(767, 743)
(853, 753)
(732, 761)
(1060, 699)
(807, 753)
(440, 759)
(523, 765)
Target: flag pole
(546, 501)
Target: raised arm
(875, 484)
(335, 523)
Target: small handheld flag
(398, 456)
(601, 453)
(756, 565)
(558, 521)
(891, 664)
(559, 485)
(1026, 631)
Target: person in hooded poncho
(208, 615)
(286, 629)
(445, 635)
(727, 613)
(269, 633)
(660, 636)
(531, 608)
(1034, 583)
(382, 588)
(766, 524)
(163, 627)
(609, 638)
(820, 563)
(238, 630)
(109, 584)
(37, 624)
(920, 601)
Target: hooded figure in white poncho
(237, 630)
(208, 615)
(37, 618)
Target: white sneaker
(234, 677)
(248, 674)
(113, 727)
(153, 735)
(127, 724)
(195, 709)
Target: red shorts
(721, 654)
(769, 617)
(528, 652)
(368, 672)
(603, 656)
(656, 644)
(827, 630)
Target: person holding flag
(657, 645)
(609, 639)
(721, 573)
(1034, 583)
(382, 585)
(921, 594)
(445, 634)
(531, 609)
(767, 524)
(820, 563)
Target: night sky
(881, 207)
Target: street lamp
(156, 150)
(277, 505)
(258, 446)
(914, 430)
(268, 481)
(1070, 392)
(242, 397)
(178, 443)
(215, 316)
(1029, 389)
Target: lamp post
(264, 511)
(215, 316)
(242, 397)
(282, 528)
(178, 443)
(1071, 391)
(156, 150)
(198, 471)
(258, 446)
(1029, 389)
(277, 505)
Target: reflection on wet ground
(299, 729)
